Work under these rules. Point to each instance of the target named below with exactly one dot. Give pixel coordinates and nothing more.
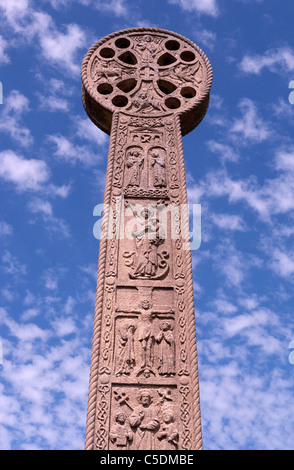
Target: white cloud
(239, 323)
(224, 306)
(206, 37)
(54, 225)
(25, 174)
(282, 110)
(71, 153)
(13, 108)
(52, 276)
(12, 266)
(55, 96)
(8, 294)
(116, 7)
(219, 184)
(5, 229)
(285, 160)
(209, 7)
(69, 305)
(250, 302)
(30, 313)
(224, 151)
(233, 264)
(278, 60)
(86, 130)
(250, 126)
(60, 191)
(274, 196)
(16, 102)
(45, 377)
(229, 222)
(40, 206)
(283, 263)
(57, 47)
(61, 48)
(242, 406)
(64, 326)
(14, 10)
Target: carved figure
(159, 173)
(145, 422)
(120, 433)
(147, 49)
(146, 102)
(167, 350)
(146, 339)
(126, 354)
(134, 165)
(146, 261)
(169, 430)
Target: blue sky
(240, 168)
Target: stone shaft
(144, 386)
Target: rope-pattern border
(190, 313)
(93, 381)
(209, 73)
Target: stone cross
(147, 88)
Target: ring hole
(107, 53)
(166, 87)
(172, 103)
(166, 59)
(172, 45)
(187, 56)
(122, 43)
(127, 85)
(188, 92)
(120, 101)
(104, 88)
(128, 58)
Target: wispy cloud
(25, 174)
(5, 229)
(43, 367)
(55, 96)
(279, 60)
(73, 153)
(208, 7)
(229, 222)
(12, 266)
(55, 226)
(14, 107)
(225, 152)
(57, 46)
(250, 126)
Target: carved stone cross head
(146, 72)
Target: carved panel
(144, 418)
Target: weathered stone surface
(146, 87)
